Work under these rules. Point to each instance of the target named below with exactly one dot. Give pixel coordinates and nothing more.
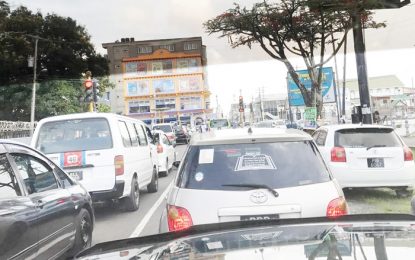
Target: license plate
(375, 163)
(77, 175)
(260, 217)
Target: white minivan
(110, 155)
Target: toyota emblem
(258, 197)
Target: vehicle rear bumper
(181, 138)
(353, 178)
(115, 193)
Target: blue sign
(327, 88)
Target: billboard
(327, 85)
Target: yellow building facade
(165, 86)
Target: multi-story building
(389, 96)
(160, 80)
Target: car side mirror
(176, 164)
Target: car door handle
(40, 204)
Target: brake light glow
(159, 148)
(119, 165)
(336, 208)
(171, 137)
(178, 218)
(408, 154)
(338, 154)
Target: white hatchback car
(166, 152)
(251, 174)
(367, 156)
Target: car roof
(8, 141)
(242, 135)
(86, 115)
(163, 124)
(353, 126)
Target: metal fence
(10, 129)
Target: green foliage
(65, 52)
(304, 28)
(103, 108)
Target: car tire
(165, 173)
(404, 192)
(154, 184)
(132, 202)
(83, 235)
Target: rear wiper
(374, 146)
(254, 186)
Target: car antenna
(249, 130)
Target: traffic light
(88, 90)
(241, 104)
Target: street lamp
(32, 108)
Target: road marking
(150, 213)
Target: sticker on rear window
(199, 176)
(206, 156)
(255, 162)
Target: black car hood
(363, 236)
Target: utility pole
(290, 114)
(32, 109)
(360, 49)
(261, 106)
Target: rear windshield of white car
(366, 137)
(74, 135)
(164, 128)
(277, 165)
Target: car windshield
(164, 128)
(218, 123)
(310, 102)
(366, 137)
(74, 135)
(218, 167)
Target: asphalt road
(112, 223)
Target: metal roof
(389, 81)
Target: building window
(169, 47)
(138, 88)
(107, 97)
(188, 46)
(190, 103)
(169, 104)
(397, 90)
(145, 49)
(138, 107)
(163, 86)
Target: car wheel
(154, 184)
(83, 235)
(132, 202)
(165, 173)
(403, 192)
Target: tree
(64, 53)
(103, 108)
(290, 28)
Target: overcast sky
(390, 50)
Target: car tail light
(336, 208)
(408, 154)
(338, 154)
(119, 165)
(159, 148)
(178, 218)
